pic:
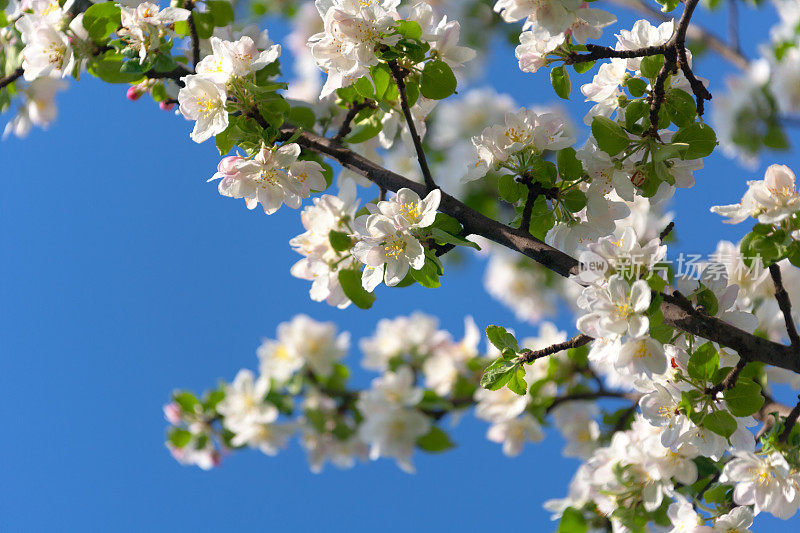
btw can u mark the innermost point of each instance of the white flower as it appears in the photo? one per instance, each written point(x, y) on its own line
point(322, 447)
point(448, 360)
point(39, 106)
point(514, 433)
point(238, 58)
point(204, 101)
point(770, 200)
point(346, 48)
point(47, 52)
point(392, 390)
point(786, 81)
point(683, 517)
point(303, 341)
point(643, 34)
point(321, 263)
point(394, 433)
point(244, 402)
point(554, 15)
point(520, 285)
point(643, 355)
point(417, 335)
point(762, 482)
point(623, 255)
point(387, 251)
point(604, 89)
point(574, 421)
point(534, 47)
point(143, 25)
point(615, 310)
point(408, 211)
point(737, 521)
point(659, 408)
point(499, 405)
point(273, 177)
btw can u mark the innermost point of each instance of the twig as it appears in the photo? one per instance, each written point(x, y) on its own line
point(730, 380)
point(527, 356)
point(693, 32)
point(783, 302)
point(791, 420)
point(193, 33)
point(11, 78)
point(346, 127)
point(399, 74)
point(594, 395)
point(665, 232)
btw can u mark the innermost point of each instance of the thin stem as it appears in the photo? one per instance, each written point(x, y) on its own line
point(11, 78)
point(193, 33)
point(399, 74)
point(528, 356)
point(791, 420)
point(347, 125)
point(785, 305)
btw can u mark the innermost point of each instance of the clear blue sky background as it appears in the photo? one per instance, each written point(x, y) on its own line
point(124, 275)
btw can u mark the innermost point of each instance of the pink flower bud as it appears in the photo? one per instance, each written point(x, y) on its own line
point(173, 413)
point(134, 92)
point(166, 106)
point(227, 166)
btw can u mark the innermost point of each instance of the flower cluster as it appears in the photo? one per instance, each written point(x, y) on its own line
point(386, 242)
point(273, 177)
point(525, 132)
point(143, 27)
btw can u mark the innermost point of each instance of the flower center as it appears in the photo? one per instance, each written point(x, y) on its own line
point(394, 247)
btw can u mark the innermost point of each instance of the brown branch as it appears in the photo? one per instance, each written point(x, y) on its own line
point(729, 381)
point(791, 420)
point(11, 78)
point(399, 74)
point(193, 33)
point(528, 356)
point(665, 232)
point(785, 305)
point(693, 32)
point(675, 315)
point(346, 127)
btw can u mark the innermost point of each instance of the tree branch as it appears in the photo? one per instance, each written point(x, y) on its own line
point(791, 420)
point(193, 33)
point(346, 127)
point(528, 356)
point(786, 306)
point(693, 32)
point(11, 78)
point(677, 316)
point(399, 74)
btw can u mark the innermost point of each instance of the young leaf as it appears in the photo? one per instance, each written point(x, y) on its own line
point(745, 398)
point(438, 80)
point(721, 423)
point(559, 78)
point(435, 441)
point(610, 136)
point(350, 280)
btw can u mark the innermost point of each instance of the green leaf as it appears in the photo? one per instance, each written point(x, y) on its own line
point(186, 400)
point(428, 275)
point(651, 66)
point(794, 253)
point(438, 80)
point(409, 29)
point(708, 300)
point(717, 493)
point(703, 362)
point(350, 280)
point(517, 382)
point(501, 339)
point(572, 521)
point(559, 79)
point(179, 437)
point(754, 245)
point(700, 137)
point(610, 136)
point(101, 20)
point(745, 398)
point(109, 69)
point(302, 116)
point(442, 237)
point(381, 78)
point(681, 107)
point(508, 189)
point(569, 167)
point(204, 22)
point(583, 66)
point(221, 12)
point(340, 241)
point(365, 130)
point(435, 441)
point(636, 86)
point(574, 200)
point(364, 87)
point(447, 224)
point(498, 374)
point(721, 423)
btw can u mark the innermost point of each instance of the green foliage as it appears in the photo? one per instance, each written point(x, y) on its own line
point(435, 441)
point(610, 136)
point(101, 20)
point(745, 398)
point(703, 362)
point(340, 241)
point(350, 280)
point(438, 80)
point(721, 423)
point(559, 78)
point(700, 137)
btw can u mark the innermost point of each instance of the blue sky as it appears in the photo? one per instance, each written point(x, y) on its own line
point(125, 275)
